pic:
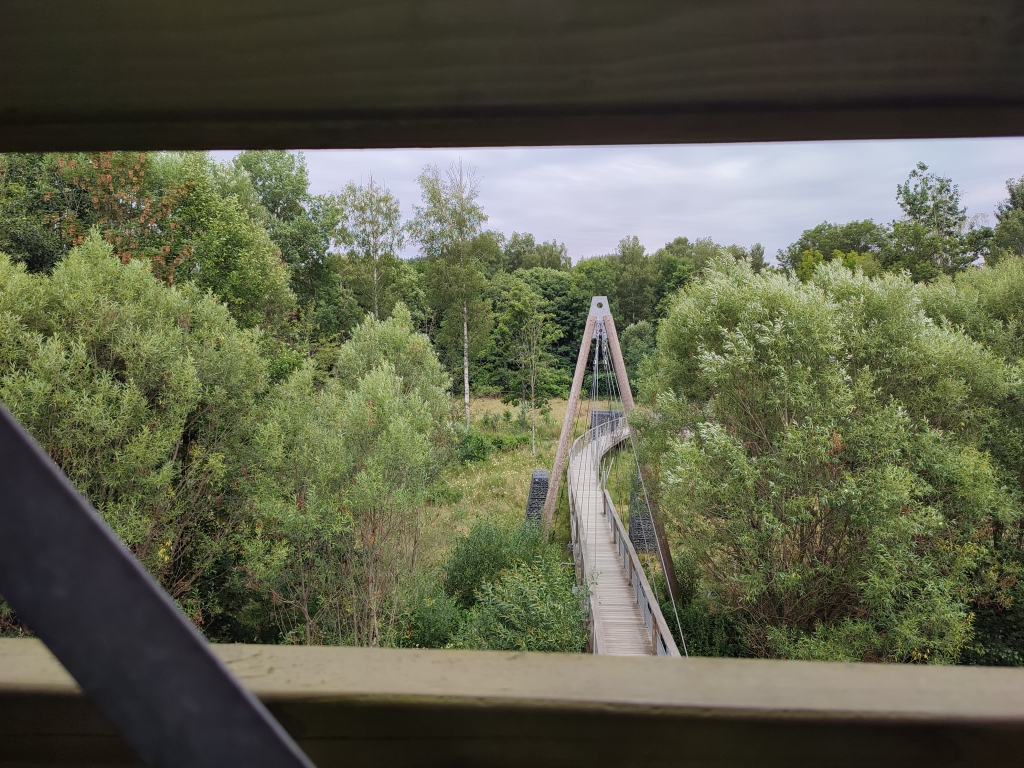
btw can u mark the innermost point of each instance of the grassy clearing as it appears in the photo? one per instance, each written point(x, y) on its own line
point(497, 487)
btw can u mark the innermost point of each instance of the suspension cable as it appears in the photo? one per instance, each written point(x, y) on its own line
point(613, 381)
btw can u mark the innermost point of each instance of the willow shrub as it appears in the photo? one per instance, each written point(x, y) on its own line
point(828, 483)
point(339, 485)
point(141, 394)
point(532, 606)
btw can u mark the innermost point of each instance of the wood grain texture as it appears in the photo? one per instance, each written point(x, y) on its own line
point(355, 707)
point(375, 73)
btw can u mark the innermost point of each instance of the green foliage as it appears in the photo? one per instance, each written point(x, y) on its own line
point(832, 498)
point(141, 393)
point(635, 294)
point(501, 588)
point(567, 303)
point(395, 344)
point(522, 340)
point(483, 554)
point(273, 187)
point(49, 203)
point(810, 260)
point(235, 259)
point(638, 341)
point(444, 226)
point(935, 235)
point(522, 252)
point(863, 237)
point(473, 446)
point(1008, 238)
point(533, 606)
point(340, 485)
point(372, 234)
point(430, 619)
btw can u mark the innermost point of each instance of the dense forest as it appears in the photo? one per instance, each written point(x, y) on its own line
point(277, 413)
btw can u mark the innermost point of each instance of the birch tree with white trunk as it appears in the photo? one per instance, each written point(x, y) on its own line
point(444, 227)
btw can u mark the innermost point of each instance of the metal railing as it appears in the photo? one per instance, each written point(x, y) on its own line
point(661, 638)
point(614, 432)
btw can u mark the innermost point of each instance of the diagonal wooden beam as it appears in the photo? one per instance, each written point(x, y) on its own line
point(562, 451)
point(625, 391)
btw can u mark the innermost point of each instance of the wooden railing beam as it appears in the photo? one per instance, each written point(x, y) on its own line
point(388, 707)
point(202, 74)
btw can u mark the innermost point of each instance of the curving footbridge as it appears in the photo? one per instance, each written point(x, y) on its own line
point(625, 617)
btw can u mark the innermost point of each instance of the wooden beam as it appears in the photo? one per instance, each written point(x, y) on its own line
point(199, 74)
point(625, 391)
point(381, 707)
point(565, 437)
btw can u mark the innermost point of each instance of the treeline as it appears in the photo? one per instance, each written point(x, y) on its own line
point(934, 237)
point(504, 312)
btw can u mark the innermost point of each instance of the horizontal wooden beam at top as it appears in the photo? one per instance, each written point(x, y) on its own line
point(197, 74)
point(353, 706)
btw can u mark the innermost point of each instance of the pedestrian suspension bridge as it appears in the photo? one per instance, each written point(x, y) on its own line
point(620, 567)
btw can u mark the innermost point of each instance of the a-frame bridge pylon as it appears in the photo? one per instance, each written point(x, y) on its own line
point(600, 317)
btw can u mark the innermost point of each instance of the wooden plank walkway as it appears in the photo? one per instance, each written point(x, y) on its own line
point(618, 623)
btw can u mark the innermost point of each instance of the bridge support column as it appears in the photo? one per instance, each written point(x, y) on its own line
point(562, 451)
point(625, 392)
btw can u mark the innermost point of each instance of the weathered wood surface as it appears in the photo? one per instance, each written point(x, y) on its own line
point(356, 707)
point(619, 628)
point(377, 73)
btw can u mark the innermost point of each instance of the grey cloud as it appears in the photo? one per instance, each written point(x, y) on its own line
point(590, 197)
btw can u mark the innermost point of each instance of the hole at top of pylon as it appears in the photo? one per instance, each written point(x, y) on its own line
point(599, 305)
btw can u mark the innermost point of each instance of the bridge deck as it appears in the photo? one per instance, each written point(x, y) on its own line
point(618, 623)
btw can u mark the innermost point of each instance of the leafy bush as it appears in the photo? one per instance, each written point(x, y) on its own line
point(480, 556)
point(503, 443)
point(431, 618)
point(141, 393)
point(473, 446)
point(338, 483)
point(832, 490)
point(531, 607)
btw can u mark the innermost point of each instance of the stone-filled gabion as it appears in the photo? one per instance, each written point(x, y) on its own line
point(641, 527)
point(597, 418)
point(538, 492)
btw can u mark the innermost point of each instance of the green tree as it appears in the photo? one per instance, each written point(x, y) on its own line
point(49, 203)
point(488, 252)
point(394, 343)
point(635, 285)
point(141, 393)
point(828, 488)
point(340, 487)
point(856, 236)
point(372, 235)
point(523, 334)
point(1008, 239)
point(444, 226)
point(935, 235)
point(638, 341)
point(523, 252)
point(597, 276)
point(568, 303)
point(303, 227)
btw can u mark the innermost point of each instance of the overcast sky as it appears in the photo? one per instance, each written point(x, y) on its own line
point(590, 197)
